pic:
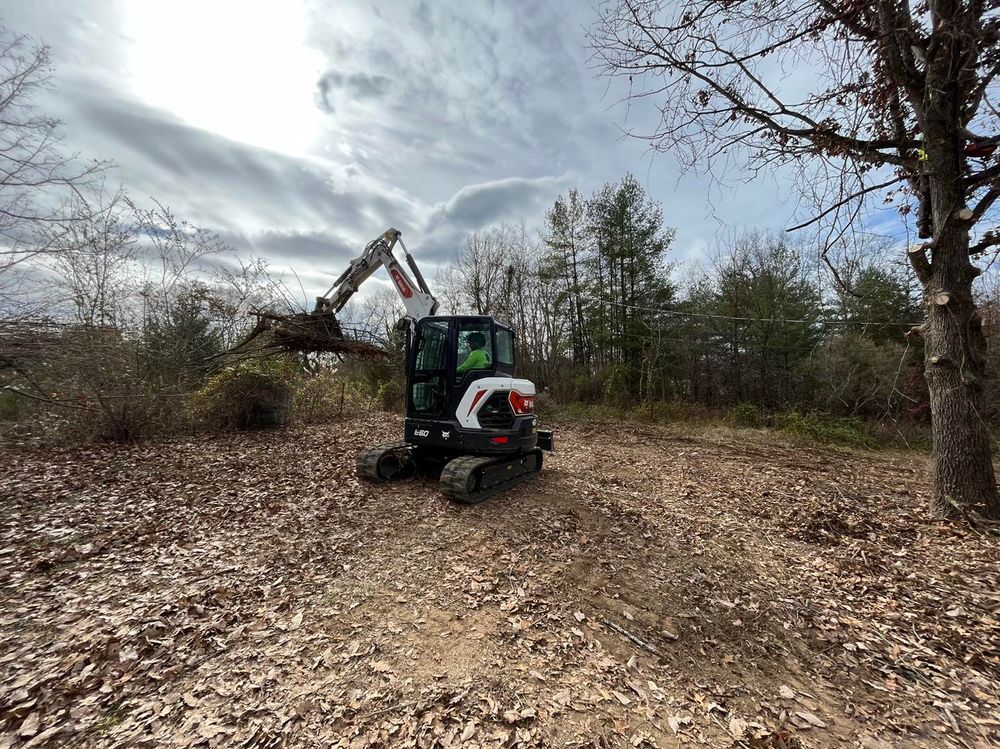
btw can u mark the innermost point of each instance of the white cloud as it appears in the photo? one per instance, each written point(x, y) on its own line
point(235, 68)
point(305, 129)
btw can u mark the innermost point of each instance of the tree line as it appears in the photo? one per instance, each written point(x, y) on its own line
point(897, 111)
point(605, 315)
point(606, 311)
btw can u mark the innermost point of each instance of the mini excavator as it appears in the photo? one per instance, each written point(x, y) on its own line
point(468, 418)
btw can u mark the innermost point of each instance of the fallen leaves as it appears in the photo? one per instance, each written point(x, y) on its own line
point(250, 591)
point(30, 726)
point(678, 722)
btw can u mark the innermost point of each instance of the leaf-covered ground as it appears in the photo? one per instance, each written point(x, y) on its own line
point(652, 588)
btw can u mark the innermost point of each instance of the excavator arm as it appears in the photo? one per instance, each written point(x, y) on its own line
point(417, 298)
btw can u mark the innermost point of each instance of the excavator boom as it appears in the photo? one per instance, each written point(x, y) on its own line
point(319, 331)
point(416, 297)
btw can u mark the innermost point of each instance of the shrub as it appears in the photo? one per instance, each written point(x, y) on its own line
point(326, 396)
point(253, 394)
point(746, 415)
point(843, 430)
point(91, 388)
point(381, 382)
point(855, 376)
point(544, 403)
point(586, 412)
point(616, 390)
point(670, 411)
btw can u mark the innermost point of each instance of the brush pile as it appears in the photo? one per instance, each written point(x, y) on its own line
point(305, 332)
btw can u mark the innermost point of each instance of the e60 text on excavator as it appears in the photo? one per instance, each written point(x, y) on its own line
point(468, 418)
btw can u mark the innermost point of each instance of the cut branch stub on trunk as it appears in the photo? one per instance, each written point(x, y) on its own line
point(921, 265)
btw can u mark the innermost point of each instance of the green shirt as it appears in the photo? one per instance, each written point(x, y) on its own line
point(478, 359)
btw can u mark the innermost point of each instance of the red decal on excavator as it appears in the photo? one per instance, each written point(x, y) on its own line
point(404, 288)
point(475, 400)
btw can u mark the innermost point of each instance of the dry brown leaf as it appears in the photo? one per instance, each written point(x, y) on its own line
point(678, 722)
point(738, 728)
point(30, 726)
point(811, 718)
point(468, 732)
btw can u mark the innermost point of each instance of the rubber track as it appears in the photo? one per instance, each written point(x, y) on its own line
point(455, 476)
point(367, 461)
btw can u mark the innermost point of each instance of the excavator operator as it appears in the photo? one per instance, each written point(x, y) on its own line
point(478, 357)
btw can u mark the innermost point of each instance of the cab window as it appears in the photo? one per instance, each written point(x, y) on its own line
point(432, 342)
point(475, 348)
point(505, 346)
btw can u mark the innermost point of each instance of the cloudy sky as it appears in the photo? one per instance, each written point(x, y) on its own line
point(300, 129)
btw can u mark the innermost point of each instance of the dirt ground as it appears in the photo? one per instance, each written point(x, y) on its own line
point(656, 587)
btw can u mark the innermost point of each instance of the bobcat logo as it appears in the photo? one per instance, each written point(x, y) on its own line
point(445, 435)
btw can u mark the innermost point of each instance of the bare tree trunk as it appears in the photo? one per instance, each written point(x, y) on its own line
point(954, 365)
point(955, 351)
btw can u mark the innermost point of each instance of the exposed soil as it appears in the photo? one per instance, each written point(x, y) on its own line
point(651, 588)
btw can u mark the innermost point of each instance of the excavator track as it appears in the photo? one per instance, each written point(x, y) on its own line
point(472, 479)
point(390, 462)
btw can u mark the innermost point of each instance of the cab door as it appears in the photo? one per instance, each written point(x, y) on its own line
point(429, 389)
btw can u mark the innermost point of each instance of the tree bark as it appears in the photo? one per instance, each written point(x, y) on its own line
point(955, 350)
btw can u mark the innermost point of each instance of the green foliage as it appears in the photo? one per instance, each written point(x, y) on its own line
point(627, 278)
point(180, 339)
point(820, 427)
point(883, 298)
point(381, 383)
point(562, 267)
point(604, 323)
point(616, 385)
point(760, 281)
point(253, 394)
point(746, 415)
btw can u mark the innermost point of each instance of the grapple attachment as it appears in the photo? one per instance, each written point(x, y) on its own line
point(305, 332)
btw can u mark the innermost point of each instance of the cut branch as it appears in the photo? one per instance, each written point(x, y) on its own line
point(921, 265)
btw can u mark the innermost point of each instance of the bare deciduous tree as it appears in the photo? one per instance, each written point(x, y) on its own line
point(866, 99)
point(36, 176)
point(93, 254)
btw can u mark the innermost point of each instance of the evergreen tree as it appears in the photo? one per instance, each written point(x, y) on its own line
point(627, 277)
